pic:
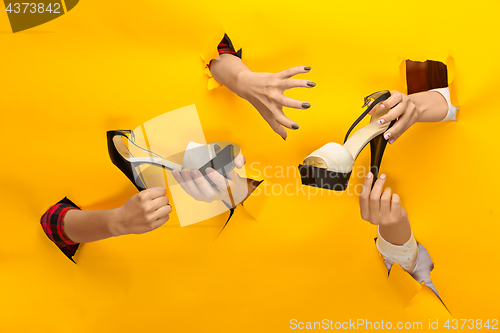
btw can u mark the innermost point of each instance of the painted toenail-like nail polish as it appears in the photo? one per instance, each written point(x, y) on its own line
point(391, 141)
point(306, 105)
point(307, 68)
point(387, 136)
point(383, 176)
point(295, 126)
point(311, 84)
point(380, 121)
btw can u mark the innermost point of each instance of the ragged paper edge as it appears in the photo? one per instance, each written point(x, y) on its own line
point(210, 52)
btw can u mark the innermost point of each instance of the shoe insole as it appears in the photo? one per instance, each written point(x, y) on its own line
point(356, 142)
point(155, 161)
point(361, 137)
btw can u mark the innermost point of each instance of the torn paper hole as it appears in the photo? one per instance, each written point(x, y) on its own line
point(425, 76)
point(432, 75)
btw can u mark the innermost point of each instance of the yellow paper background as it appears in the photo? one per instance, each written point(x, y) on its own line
point(115, 65)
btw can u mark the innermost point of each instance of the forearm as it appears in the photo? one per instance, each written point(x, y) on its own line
point(431, 104)
point(89, 226)
point(396, 234)
point(225, 70)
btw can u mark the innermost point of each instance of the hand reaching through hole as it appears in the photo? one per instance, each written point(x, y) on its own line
point(143, 212)
point(263, 90)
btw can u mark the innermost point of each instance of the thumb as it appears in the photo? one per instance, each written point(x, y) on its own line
point(240, 161)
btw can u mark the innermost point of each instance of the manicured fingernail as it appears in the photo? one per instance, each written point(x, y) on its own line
point(209, 170)
point(383, 176)
point(185, 173)
point(381, 121)
point(307, 68)
point(295, 126)
point(382, 106)
point(387, 136)
point(311, 84)
point(369, 175)
point(194, 173)
point(391, 141)
point(306, 105)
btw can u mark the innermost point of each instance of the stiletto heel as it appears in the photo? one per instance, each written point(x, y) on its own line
point(330, 166)
point(221, 160)
point(377, 148)
point(119, 154)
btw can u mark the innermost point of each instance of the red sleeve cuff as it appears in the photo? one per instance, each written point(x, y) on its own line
point(226, 47)
point(53, 225)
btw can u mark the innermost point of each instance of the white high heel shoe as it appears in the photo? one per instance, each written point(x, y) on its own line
point(330, 166)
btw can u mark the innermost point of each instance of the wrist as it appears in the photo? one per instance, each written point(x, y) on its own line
point(420, 108)
point(398, 232)
point(113, 222)
point(241, 80)
point(226, 69)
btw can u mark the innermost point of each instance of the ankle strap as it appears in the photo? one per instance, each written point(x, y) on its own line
point(379, 96)
point(130, 139)
point(122, 133)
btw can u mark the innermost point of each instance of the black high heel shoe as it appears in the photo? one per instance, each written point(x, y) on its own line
point(330, 166)
point(222, 160)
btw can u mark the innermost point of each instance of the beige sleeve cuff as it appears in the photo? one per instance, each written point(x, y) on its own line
point(452, 110)
point(405, 255)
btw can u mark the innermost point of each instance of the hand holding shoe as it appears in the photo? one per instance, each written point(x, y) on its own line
point(232, 190)
point(380, 207)
point(400, 106)
point(145, 211)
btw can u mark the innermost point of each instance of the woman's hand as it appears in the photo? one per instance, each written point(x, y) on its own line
point(400, 106)
point(263, 90)
point(232, 190)
point(428, 106)
point(383, 208)
point(380, 208)
point(144, 212)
